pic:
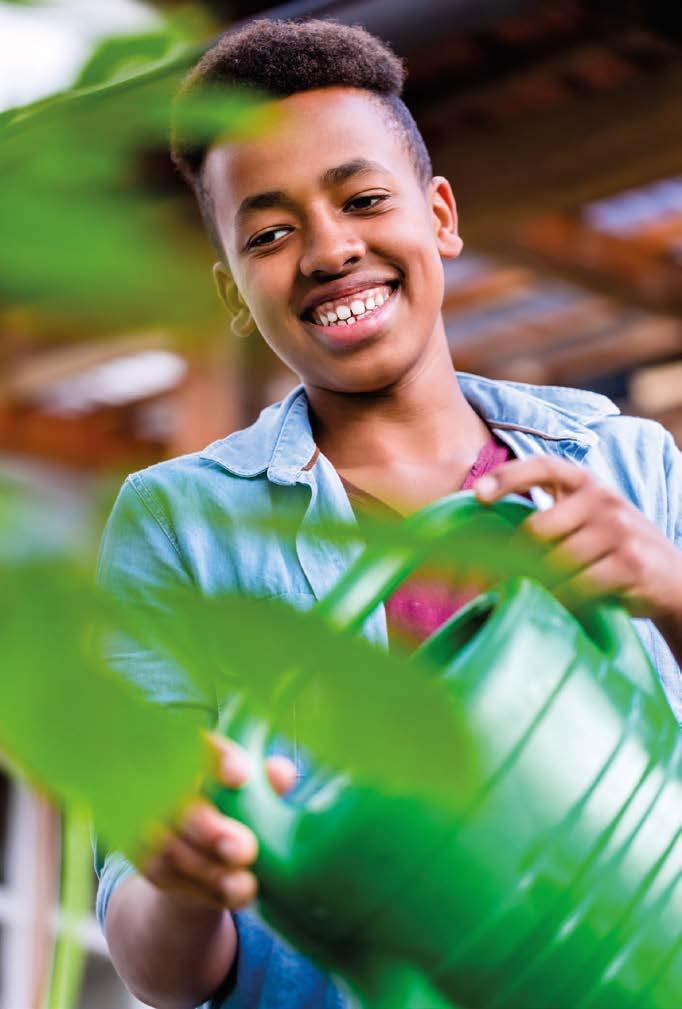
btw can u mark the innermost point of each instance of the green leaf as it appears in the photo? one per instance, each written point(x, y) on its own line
point(76, 729)
point(86, 238)
point(382, 717)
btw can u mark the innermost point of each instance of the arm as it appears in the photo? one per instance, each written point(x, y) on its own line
point(170, 932)
point(169, 928)
point(170, 954)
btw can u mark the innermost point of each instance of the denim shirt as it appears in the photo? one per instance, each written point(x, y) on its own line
point(160, 533)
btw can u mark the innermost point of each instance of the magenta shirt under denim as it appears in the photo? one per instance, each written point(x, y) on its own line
point(423, 602)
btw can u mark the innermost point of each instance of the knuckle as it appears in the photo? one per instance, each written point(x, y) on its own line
point(632, 555)
point(558, 470)
point(608, 499)
point(214, 879)
point(179, 855)
point(621, 524)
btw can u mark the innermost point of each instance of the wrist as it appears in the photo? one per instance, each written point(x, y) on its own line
point(669, 623)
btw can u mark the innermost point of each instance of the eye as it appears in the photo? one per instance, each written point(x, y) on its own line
point(267, 237)
point(366, 202)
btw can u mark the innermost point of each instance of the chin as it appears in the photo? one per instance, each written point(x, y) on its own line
point(371, 378)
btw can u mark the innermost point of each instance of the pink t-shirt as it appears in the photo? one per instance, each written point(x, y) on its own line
point(423, 602)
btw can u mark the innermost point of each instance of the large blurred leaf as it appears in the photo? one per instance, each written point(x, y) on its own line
point(83, 234)
point(77, 730)
point(88, 737)
point(383, 717)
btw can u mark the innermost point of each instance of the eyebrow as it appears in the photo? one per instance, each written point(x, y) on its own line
point(274, 198)
point(341, 173)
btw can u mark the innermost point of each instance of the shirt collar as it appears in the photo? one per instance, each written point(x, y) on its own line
point(550, 412)
point(281, 443)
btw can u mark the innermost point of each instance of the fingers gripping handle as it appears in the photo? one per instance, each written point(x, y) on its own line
point(377, 572)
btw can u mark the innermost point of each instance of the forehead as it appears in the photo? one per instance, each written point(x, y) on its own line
point(317, 131)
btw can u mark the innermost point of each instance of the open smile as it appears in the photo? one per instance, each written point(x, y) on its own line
point(348, 320)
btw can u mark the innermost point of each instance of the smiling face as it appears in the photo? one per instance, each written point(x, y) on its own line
point(333, 243)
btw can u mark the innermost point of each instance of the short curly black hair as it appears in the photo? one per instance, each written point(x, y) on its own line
point(285, 58)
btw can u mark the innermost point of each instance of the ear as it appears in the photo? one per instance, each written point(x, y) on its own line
point(241, 320)
point(444, 210)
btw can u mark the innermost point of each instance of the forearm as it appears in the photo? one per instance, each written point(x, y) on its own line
point(170, 953)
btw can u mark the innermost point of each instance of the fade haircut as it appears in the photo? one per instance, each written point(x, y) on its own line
point(284, 58)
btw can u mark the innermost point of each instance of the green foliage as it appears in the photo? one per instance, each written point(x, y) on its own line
point(353, 706)
point(85, 235)
point(83, 734)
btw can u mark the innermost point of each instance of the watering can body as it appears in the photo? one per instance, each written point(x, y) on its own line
point(557, 881)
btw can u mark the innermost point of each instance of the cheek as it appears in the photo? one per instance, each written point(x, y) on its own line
point(264, 291)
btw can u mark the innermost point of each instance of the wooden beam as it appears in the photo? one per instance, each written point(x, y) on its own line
point(560, 159)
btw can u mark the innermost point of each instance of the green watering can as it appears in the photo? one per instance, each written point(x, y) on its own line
point(558, 883)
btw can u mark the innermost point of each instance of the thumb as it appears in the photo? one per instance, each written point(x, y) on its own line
point(281, 772)
point(231, 764)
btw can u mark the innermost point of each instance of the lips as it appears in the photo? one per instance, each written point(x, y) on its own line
point(342, 300)
point(341, 333)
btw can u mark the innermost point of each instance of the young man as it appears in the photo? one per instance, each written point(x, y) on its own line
point(331, 232)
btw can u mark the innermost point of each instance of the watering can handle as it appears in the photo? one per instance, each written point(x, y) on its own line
point(376, 573)
point(364, 586)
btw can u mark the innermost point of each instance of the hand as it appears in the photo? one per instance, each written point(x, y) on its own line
point(206, 858)
point(600, 543)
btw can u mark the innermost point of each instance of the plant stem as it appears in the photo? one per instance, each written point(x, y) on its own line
point(76, 894)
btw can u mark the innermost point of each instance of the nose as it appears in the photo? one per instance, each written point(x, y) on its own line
point(331, 244)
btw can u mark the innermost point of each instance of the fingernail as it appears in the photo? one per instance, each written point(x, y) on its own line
point(485, 487)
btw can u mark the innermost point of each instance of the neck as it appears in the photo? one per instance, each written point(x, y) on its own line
point(422, 418)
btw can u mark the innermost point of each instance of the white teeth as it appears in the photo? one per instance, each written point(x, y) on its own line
point(351, 321)
point(343, 314)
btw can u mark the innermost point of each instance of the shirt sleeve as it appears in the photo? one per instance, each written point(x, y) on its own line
point(671, 524)
point(672, 458)
point(138, 559)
